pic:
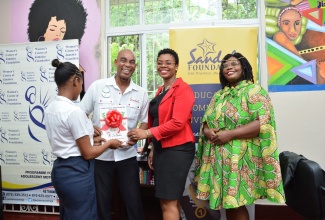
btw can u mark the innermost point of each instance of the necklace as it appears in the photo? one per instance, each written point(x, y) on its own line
point(165, 88)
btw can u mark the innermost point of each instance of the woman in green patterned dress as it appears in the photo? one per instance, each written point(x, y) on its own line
point(237, 161)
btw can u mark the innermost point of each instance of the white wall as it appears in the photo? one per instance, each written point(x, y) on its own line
point(300, 116)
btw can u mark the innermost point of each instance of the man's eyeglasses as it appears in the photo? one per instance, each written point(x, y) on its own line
point(232, 63)
point(167, 63)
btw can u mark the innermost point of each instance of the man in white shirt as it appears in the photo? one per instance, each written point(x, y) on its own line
point(118, 90)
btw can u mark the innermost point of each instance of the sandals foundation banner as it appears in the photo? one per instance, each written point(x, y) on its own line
point(295, 39)
point(200, 52)
point(27, 87)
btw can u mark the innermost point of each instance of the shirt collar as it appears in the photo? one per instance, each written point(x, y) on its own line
point(65, 99)
point(111, 82)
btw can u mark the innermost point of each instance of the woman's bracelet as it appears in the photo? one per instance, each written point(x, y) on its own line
point(147, 133)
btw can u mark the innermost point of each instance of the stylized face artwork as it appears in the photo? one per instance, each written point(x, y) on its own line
point(55, 30)
point(290, 24)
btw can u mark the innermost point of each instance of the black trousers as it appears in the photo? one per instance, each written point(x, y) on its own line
point(127, 172)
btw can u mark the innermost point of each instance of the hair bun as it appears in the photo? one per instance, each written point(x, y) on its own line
point(56, 63)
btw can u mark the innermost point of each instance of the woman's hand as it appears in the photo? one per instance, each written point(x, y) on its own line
point(150, 159)
point(137, 134)
point(222, 137)
point(209, 133)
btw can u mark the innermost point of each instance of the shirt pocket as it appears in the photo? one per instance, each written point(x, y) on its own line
point(133, 110)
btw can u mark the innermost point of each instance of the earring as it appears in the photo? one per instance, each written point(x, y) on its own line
point(41, 38)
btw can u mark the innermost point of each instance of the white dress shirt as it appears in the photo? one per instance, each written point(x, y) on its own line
point(65, 123)
point(106, 92)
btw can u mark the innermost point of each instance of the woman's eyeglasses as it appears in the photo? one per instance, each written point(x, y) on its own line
point(167, 63)
point(232, 63)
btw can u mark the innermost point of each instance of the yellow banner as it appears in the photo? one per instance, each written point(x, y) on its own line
point(201, 50)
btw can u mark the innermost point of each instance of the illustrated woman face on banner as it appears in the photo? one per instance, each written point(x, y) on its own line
point(55, 30)
point(50, 20)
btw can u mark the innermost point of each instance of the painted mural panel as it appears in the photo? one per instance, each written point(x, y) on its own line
point(295, 39)
point(53, 20)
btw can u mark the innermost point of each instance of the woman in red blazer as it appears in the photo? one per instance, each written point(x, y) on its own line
point(171, 135)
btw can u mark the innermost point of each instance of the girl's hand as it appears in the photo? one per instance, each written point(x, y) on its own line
point(114, 144)
point(98, 140)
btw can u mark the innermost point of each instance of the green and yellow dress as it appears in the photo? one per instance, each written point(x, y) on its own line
point(240, 171)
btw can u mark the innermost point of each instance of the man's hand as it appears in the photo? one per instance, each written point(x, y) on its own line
point(97, 131)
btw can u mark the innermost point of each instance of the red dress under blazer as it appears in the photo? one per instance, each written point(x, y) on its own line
point(175, 115)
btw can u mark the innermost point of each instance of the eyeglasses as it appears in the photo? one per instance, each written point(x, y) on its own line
point(231, 63)
point(167, 63)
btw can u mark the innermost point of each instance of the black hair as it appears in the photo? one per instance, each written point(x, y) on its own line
point(64, 71)
point(171, 52)
point(246, 68)
point(71, 11)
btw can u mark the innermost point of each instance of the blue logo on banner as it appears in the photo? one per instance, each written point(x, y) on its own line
point(1, 159)
point(60, 56)
point(43, 74)
point(16, 118)
point(30, 57)
point(25, 158)
point(45, 160)
point(3, 135)
point(23, 76)
point(2, 60)
point(2, 97)
point(30, 96)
